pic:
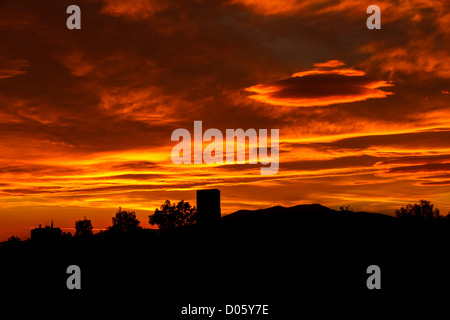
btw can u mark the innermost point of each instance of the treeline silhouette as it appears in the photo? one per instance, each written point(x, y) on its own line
point(285, 256)
point(171, 216)
point(124, 223)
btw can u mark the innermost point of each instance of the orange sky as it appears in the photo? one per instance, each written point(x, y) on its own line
point(86, 116)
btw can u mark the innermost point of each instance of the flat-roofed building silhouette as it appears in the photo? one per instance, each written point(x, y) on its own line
point(208, 207)
point(46, 234)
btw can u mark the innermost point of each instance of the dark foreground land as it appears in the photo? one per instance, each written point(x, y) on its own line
point(299, 259)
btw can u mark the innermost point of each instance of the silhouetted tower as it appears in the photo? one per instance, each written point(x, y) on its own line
point(208, 207)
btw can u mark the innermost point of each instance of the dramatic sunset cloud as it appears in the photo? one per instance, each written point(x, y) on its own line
point(270, 7)
point(133, 9)
point(322, 86)
point(86, 116)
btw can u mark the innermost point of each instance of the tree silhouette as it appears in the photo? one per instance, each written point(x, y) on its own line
point(346, 208)
point(83, 228)
point(423, 211)
point(170, 215)
point(12, 241)
point(124, 221)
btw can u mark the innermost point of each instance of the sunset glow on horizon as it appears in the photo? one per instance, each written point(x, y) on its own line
point(86, 116)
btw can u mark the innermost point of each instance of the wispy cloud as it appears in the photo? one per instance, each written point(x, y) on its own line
point(12, 67)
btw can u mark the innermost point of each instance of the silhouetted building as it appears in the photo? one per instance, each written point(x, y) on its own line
point(208, 207)
point(46, 234)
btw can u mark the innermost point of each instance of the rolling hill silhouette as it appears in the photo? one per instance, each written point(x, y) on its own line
point(309, 213)
point(314, 221)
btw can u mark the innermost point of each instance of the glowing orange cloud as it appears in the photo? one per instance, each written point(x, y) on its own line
point(328, 83)
point(267, 7)
point(76, 64)
point(330, 64)
point(10, 68)
point(135, 9)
